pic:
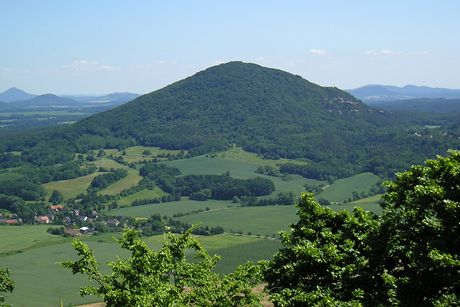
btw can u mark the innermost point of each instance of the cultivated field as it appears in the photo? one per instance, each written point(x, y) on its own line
point(169, 208)
point(70, 187)
point(342, 189)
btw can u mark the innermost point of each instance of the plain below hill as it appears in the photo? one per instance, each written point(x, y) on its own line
point(422, 105)
point(375, 92)
point(46, 100)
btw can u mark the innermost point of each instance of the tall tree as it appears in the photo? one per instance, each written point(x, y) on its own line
point(166, 277)
point(409, 256)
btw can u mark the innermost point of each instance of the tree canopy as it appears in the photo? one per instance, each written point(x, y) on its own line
point(168, 277)
point(409, 256)
point(6, 284)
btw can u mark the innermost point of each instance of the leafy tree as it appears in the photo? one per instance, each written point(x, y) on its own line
point(409, 256)
point(56, 197)
point(323, 257)
point(6, 284)
point(166, 277)
point(421, 231)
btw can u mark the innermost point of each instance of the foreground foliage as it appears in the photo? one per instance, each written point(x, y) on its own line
point(165, 277)
point(6, 284)
point(409, 256)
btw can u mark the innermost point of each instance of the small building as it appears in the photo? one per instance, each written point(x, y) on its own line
point(56, 207)
point(85, 230)
point(9, 221)
point(42, 219)
point(112, 222)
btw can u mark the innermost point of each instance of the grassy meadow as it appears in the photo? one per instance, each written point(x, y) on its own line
point(342, 189)
point(169, 208)
point(70, 187)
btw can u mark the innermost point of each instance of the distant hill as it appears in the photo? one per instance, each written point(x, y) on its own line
point(14, 94)
point(423, 105)
point(371, 93)
point(46, 100)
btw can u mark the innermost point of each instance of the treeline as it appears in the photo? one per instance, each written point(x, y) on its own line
point(157, 224)
point(156, 200)
point(100, 182)
point(202, 187)
point(282, 198)
point(25, 211)
point(223, 186)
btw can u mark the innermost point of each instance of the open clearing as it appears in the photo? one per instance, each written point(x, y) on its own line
point(342, 189)
point(144, 194)
point(70, 187)
point(203, 165)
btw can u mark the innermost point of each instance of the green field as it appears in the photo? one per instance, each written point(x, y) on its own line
point(144, 194)
point(17, 239)
point(372, 200)
point(239, 169)
point(169, 208)
point(131, 180)
point(238, 154)
point(265, 220)
point(70, 187)
point(342, 189)
point(41, 281)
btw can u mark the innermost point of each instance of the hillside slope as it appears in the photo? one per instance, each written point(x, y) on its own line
point(261, 109)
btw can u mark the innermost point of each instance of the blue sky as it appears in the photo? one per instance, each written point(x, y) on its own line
point(95, 47)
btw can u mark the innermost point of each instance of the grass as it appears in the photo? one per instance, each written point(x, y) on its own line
point(144, 194)
point(238, 154)
point(257, 220)
point(70, 187)
point(17, 239)
point(41, 281)
point(169, 208)
point(342, 189)
point(131, 180)
point(239, 169)
point(372, 200)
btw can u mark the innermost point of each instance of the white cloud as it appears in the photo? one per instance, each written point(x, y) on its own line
point(85, 65)
point(318, 51)
point(384, 52)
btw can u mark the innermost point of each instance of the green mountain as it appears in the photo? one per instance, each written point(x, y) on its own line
point(261, 109)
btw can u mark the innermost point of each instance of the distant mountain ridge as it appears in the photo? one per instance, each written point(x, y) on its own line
point(370, 93)
point(14, 94)
point(17, 98)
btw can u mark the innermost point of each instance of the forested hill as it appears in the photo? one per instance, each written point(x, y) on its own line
point(262, 109)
